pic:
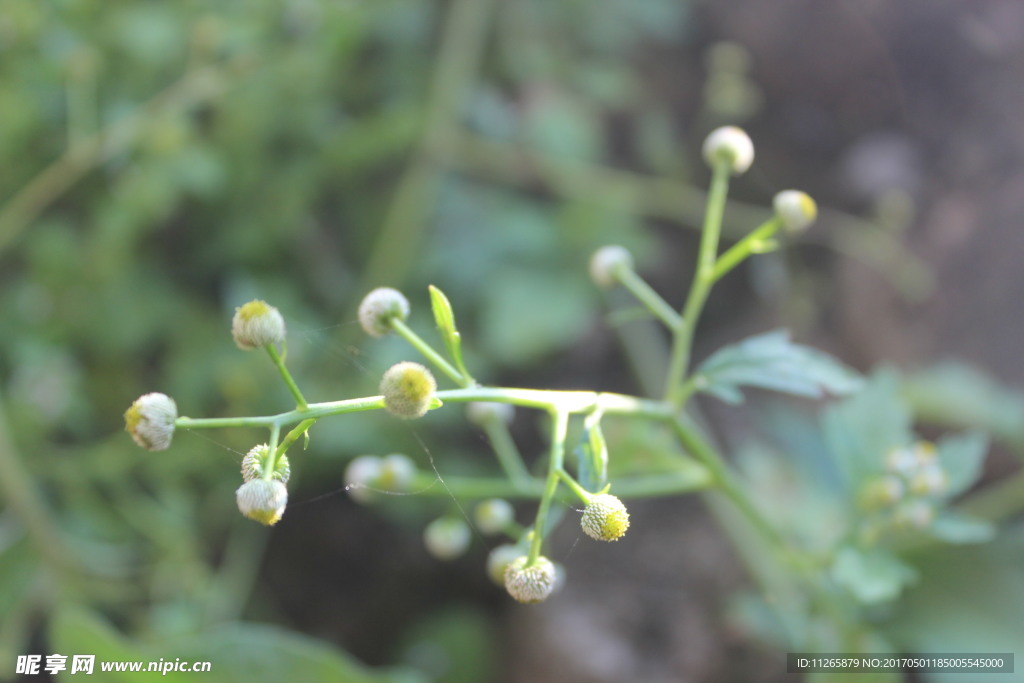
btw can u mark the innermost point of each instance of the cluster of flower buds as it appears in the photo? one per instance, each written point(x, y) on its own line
point(369, 475)
point(905, 495)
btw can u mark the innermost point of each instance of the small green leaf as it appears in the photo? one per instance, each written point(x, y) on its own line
point(445, 319)
point(592, 455)
point(772, 361)
point(962, 457)
point(956, 528)
point(872, 576)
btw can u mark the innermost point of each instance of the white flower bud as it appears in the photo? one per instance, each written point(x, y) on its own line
point(605, 518)
point(255, 461)
point(730, 145)
point(482, 413)
point(379, 308)
point(446, 538)
point(795, 210)
point(929, 480)
point(499, 559)
point(150, 421)
point(533, 583)
point(262, 500)
point(257, 324)
point(408, 389)
point(492, 516)
point(881, 492)
point(361, 477)
point(396, 473)
point(605, 264)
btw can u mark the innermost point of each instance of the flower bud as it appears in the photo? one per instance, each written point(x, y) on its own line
point(396, 473)
point(795, 210)
point(606, 262)
point(150, 421)
point(257, 324)
point(901, 461)
point(407, 388)
point(446, 538)
point(929, 480)
point(481, 413)
point(730, 145)
point(361, 477)
point(262, 500)
point(914, 514)
point(530, 583)
point(492, 516)
point(882, 492)
point(255, 461)
point(379, 308)
point(605, 518)
point(499, 559)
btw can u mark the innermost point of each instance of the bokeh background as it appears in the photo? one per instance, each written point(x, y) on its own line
point(163, 163)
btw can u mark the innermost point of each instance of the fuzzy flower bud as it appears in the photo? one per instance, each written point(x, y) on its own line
point(446, 538)
point(605, 518)
point(255, 462)
point(396, 473)
point(499, 559)
point(262, 500)
point(731, 145)
point(795, 210)
point(882, 492)
point(257, 324)
point(408, 388)
point(606, 261)
point(493, 515)
point(361, 477)
point(379, 308)
point(533, 583)
point(150, 421)
point(481, 413)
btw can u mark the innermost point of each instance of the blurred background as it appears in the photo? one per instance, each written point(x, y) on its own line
point(163, 163)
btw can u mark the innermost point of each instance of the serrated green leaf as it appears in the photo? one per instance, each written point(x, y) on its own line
point(772, 361)
point(592, 455)
point(445, 319)
point(956, 528)
point(862, 429)
point(962, 457)
point(871, 576)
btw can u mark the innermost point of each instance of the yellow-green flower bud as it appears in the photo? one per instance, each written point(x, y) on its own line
point(606, 263)
point(255, 462)
point(446, 538)
point(257, 324)
point(150, 421)
point(795, 210)
point(408, 389)
point(361, 477)
point(493, 516)
point(882, 492)
point(396, 473)
point(262, 500)
point(530, 583)
point(730, 145)
point(499, 559)
point(605, 518)
point(379, 308)
point(929, 480)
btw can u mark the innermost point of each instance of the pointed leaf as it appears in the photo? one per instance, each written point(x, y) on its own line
point(962, 457)
point(956, 528)
point(872, 576)
point(592, 455)
point(445, 319)
point(772, 361)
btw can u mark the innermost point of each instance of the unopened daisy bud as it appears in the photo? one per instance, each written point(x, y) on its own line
point(407, 388)
point(262, 500)
point(150, 421)
point(396, 473)
point(499, 559)
point(361, 477)
point(925, 453)
point(882, 492)
point(492, 516)
point(379, 308)
point(914, 514)
point(482, 413)
point(901, 461)
point(605, 518)
point(446, 538)
point(255, 461)
point(929, 480)
point(257, 324)
point(795, 210)
point(606, 263)
point(533, 583)
point(730, 145)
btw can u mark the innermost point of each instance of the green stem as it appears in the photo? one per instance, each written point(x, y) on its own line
point(268, 470)
point(509, 457)
point(702, 280)
point(560, 426)
point(428, 352)
point(643, 292)
point(286, 376)
point(757, 242)
point(574, 485)
point(293, 436)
